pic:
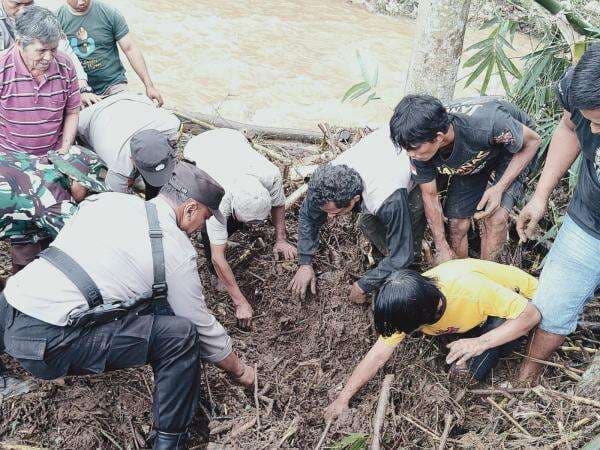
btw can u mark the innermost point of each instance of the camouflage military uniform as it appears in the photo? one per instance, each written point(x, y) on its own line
point(35, 202)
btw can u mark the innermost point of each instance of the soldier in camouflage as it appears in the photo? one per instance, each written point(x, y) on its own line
point(36, 198)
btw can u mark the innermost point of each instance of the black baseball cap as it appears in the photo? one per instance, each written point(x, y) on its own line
point(196, 184)
point(153, 156)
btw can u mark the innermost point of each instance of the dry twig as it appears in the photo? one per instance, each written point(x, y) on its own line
point(384, 397)
point(324, 435)
point(491, 401)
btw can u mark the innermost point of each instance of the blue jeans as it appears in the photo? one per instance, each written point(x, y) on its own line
point(569, 278)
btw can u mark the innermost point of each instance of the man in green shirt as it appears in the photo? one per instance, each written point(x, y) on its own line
point(94, 29)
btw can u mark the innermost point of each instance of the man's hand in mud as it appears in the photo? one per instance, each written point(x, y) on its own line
point(464, 349)
point(244, 313)
point(247, 376)
point(357, 295)
point(336, 409)
point(529, 217)
point(286, 249)
point(305, 276)
point(89, 99)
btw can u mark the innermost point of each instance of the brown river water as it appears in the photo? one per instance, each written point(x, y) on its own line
point(274, 62)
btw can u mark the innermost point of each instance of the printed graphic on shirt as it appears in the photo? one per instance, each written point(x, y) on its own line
point(83, 45)
point(471, 167)
point(448, 330)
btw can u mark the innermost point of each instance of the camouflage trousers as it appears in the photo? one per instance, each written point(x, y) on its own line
point(376, 232)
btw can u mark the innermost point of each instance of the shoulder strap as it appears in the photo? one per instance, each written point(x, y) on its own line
point(159, 287)
point(74, 272)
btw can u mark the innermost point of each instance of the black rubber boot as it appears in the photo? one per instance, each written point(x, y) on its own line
point(169, 441)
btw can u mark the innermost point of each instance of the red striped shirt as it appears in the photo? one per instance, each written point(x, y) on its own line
point(32, 113)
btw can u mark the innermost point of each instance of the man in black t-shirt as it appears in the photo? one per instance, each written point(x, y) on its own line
point(484, 147)
point(571, 271)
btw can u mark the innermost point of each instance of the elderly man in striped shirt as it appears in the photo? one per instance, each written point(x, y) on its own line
point(39, 93)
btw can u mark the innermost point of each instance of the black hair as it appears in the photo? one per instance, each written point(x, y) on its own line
point(405, 302)
point(417, 119)
point(585, 86)
point(335, 183)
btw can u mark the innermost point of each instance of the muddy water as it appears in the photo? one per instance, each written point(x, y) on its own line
point(272, 62)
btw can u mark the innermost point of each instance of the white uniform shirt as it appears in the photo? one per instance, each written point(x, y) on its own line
point(108, 126)
point(109, 238)
point(226, 155)
point(383, 168)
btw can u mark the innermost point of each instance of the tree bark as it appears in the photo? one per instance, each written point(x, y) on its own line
point(438, 47)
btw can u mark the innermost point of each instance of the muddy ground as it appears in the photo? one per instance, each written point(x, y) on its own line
point(304, 351)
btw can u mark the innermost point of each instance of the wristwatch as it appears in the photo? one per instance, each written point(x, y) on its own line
point(86, 90)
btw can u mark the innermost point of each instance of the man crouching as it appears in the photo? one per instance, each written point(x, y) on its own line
point(455, 297)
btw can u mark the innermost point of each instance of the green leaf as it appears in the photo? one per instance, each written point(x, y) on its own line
point(481, 44)
point(489, 23)
point(363, 68)
point(477, 57)
point(360, 92)
point(508, 64)
point(375, 79)
point(354, 441)
point(486, 79)
point(373, 96)
point(485, 63)
point(503, 79)
point(354, 89)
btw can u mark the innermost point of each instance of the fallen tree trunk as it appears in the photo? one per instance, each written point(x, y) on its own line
point(251, 131)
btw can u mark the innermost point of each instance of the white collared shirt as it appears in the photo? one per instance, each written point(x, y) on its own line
point(226, 156)
point(109, 239)
point(383, 168)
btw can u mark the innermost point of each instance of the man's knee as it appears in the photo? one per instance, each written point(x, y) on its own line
point(458, 228)
point(497, 222)
point(179, 331)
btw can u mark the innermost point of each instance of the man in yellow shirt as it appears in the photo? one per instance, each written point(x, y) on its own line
point(454, 297)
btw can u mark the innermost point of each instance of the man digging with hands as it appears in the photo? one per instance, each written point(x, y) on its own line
point(486, 298)
point(373, 179)
point(571, 272)
point(485, 150)
point(86, 305)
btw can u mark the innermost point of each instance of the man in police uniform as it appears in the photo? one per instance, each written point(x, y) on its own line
point(79, 309)
point(37, 198)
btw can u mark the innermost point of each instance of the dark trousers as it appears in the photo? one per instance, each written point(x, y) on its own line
point(480, 366)
point(376, 233)
point(233, 225)
point(169, 344)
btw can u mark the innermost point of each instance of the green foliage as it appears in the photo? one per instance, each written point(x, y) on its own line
point(368, 85)
point(533, 88)
point(491, 54)
point(354, 441)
